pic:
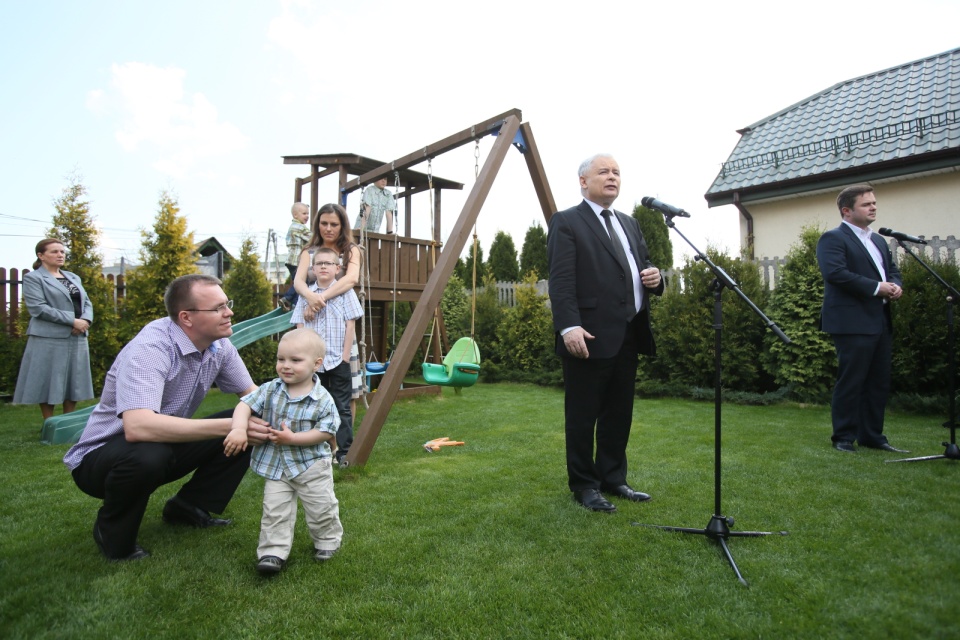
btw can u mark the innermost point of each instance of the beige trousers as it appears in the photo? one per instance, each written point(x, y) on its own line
point(314, 488)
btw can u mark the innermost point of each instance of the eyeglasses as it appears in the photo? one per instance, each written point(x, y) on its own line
point(324, 264)
point(220, 309)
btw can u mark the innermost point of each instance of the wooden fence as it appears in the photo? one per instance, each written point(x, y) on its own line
point(936, 249)
point(10, 281)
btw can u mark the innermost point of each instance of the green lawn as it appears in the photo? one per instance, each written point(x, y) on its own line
point(483, 541)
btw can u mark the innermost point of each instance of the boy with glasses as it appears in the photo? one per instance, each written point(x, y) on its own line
point(336, 324)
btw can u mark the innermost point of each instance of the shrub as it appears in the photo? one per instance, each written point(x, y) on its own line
point(525, 342)
point(808, 364)
point(920, 351)
point(683, 328)
point(249, 289)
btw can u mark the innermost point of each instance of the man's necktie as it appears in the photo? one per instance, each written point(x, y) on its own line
point(624, 263)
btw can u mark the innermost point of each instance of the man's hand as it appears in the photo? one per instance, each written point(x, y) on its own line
point(650, 278)
point(575, 342)
point(890, 291)
point(257, 430)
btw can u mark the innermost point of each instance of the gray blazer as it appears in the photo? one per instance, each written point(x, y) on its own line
point(50, 305)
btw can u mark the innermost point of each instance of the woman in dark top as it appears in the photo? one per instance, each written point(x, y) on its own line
point(56, 363)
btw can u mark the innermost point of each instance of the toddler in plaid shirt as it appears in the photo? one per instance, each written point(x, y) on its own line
point(297, 460)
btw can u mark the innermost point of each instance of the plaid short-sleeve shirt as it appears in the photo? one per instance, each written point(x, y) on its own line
point(315, 410)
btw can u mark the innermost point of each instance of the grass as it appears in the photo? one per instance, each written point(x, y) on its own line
point(483, 541)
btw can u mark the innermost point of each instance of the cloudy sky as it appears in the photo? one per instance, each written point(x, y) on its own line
point(203, 98)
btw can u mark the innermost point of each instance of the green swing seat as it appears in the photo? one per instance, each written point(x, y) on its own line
point(460, 368)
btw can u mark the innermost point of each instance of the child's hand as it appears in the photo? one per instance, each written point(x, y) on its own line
point(281, 435)
point(235, 442)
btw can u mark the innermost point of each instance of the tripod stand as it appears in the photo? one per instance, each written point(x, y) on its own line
point(951, 451)
point(718, 529)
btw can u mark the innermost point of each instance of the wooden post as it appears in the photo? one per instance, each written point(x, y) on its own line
point(532, 157)
point(387, 392)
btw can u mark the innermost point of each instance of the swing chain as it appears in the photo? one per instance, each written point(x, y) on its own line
point(476, 160)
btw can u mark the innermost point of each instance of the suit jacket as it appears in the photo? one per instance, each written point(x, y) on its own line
point(850, 278)
point(50, 306)
point(589, 287)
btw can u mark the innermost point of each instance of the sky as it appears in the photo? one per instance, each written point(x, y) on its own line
point(203, 98)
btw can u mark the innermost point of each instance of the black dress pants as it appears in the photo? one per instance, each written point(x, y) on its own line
point(125, 474)
point(339, 383)
point(598, 402)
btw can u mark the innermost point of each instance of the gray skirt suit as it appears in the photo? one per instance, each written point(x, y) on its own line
point(56, 364)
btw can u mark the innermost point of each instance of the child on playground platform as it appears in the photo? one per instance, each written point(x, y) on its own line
point(336, 324)
point(298, 236)
point(296, 461)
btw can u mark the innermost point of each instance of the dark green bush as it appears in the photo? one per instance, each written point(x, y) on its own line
point(525, 341)
point(807, 366)
point(683, 327)
point(920, 352)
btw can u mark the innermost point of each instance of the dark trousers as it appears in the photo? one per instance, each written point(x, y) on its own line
point(862, 388)
point(125, 474)
point(598, 401)
point(291, 294)
point(340, 385)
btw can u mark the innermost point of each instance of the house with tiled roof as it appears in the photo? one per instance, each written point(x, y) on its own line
point(897, 129)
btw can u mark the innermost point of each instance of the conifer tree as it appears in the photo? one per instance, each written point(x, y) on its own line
point(487, 318)
point(502, 263)
point(525, 341)
point(533, 256)
point(74, 225)
point(656, 235)
point(808, 364)
point(468, 266)
point(455, 307)
point(248, 287)
point(166, 252)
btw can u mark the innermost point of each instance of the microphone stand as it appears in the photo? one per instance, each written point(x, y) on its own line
point(951, 451)
point(718, 529)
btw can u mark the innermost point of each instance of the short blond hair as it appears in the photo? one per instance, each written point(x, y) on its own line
point(298, 207)
point(309, 339)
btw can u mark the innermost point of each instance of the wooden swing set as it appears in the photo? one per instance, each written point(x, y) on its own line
point(416, 276)
point(510, 132)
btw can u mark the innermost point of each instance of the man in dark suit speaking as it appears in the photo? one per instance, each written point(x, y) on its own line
point(600, 281)
point(860, 280)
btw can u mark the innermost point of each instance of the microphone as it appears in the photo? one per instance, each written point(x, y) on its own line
point(666, 209)
point(890, 233)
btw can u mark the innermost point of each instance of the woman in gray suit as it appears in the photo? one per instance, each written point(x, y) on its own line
point(56, 363)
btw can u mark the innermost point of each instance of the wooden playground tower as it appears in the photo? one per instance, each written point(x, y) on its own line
point(423, 266)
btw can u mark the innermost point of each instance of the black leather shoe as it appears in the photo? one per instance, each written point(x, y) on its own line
point(886, 446)
point(843, 445)
point(176, 511)
point(591, 499)
point(626, 491)
point(139, 553)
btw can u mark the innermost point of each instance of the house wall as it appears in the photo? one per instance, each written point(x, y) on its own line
point(923, 206)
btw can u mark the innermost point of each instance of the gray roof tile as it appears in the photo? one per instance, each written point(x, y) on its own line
point(900, 115)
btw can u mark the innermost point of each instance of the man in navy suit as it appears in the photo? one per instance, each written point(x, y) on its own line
point(601, 278)
point(860, 281)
